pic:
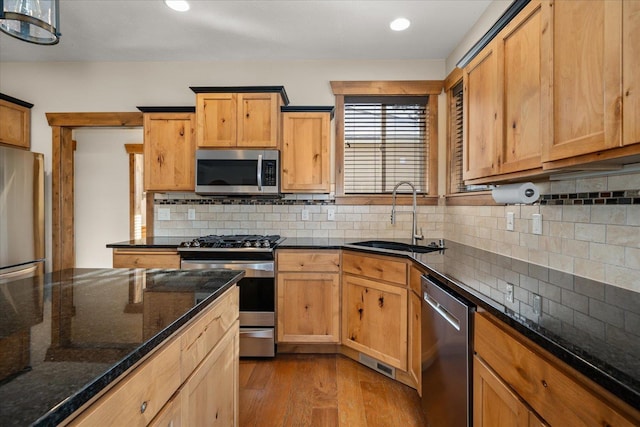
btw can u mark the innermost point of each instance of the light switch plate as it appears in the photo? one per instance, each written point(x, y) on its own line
point(331, 214)
point(510, 221)
point(164, 214)
point(191, 214)
point(509, 295)
point(536, 224)
point(537, 304)
point(305, 215)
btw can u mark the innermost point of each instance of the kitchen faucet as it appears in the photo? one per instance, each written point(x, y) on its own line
point(414, 235)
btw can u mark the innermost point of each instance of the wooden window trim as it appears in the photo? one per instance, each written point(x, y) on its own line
point(394, 88)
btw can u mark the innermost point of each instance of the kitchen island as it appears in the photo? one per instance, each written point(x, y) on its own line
point(68, 337)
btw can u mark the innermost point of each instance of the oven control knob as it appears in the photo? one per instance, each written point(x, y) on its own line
point(257, 244)
point(247, 244)
point(195, 243)
point(265, 244)
point(185, 244)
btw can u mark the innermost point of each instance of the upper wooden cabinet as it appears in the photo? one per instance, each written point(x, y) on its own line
point(15, 122)
point(306, 142)
point(246, 117)
point(596, 74)
point(169, 151)
point(506, 100)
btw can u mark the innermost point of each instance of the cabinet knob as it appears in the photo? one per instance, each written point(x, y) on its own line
point(544, 384)
point(143, 407)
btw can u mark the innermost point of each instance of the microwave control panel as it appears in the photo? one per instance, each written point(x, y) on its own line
point(269, 173)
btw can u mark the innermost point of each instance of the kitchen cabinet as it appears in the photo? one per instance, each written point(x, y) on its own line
point(242, 117)
point(414, 361)
point(15, 122)
point(495, 404)
point(169, 151)
point(191, 380)
point(374, 307)
point(146, 258)
point(514, 372)
point(306, 142)
point(506, 100)
point(308, 295)
point(595, 79)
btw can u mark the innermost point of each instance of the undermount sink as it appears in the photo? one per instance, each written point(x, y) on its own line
point(396, 246)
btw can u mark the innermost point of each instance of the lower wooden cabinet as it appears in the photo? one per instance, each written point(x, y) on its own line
point(308, 294)
point(149, 258)
point(495, 404)
point(513, 376)
point(375, 311)
point(193, 380)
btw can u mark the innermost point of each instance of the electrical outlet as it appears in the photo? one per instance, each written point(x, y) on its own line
point(537, 304)
point(164, 214)
point(536, 224)
point(509, 296)
point(331, 214)
point(510, 221)
point(191, 214)
point(305, 215)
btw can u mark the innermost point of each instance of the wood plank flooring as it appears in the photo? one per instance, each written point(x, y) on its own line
point(322, 390)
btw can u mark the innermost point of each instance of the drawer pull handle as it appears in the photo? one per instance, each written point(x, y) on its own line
point(143, 407)
point(544, 384)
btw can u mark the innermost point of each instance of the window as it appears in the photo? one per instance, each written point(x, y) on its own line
point(384, 143)
point(386, 133)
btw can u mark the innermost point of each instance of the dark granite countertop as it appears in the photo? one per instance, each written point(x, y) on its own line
point(67, 335)
point(592, 326)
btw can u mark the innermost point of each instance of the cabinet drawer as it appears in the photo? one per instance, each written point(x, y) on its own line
point(204, 334)
point(375, 267)
point(321, 260)
point(136, 399)
point(551, 389)
point(145, 259)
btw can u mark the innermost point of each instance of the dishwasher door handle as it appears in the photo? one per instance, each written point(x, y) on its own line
point(453, 321)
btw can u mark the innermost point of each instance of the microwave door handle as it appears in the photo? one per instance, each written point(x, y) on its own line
point(259, 172)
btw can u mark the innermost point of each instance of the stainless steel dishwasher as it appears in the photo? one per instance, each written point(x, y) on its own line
point(446, 356)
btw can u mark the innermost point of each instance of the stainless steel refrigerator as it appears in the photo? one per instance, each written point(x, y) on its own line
point(22, 251)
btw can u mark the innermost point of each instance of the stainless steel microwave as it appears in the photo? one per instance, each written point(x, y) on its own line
point(238, 172)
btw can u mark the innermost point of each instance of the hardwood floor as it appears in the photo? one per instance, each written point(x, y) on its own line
point(322, 390)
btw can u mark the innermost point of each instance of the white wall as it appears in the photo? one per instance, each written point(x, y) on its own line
point(102, 192)
point(103, 87)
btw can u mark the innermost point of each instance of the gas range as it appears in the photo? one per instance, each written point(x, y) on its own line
point(232, 243)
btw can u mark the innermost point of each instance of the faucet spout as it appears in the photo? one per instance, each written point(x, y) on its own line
point(414, 234)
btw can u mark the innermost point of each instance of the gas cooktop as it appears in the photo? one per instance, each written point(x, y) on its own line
point(237, 242)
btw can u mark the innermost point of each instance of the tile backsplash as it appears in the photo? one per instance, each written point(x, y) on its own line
point(596, 240)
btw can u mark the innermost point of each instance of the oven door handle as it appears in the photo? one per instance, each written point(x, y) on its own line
point(256, 333)
point(252, 269)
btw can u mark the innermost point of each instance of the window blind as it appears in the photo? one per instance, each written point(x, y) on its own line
point(385, 142)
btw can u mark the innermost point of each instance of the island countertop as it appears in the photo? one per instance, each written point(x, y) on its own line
point(68, 335)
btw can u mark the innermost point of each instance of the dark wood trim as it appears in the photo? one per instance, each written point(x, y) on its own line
point(134, 148)
point(432, 164)
point(339, 146)
point(454, 77)
point(243, 89)
point(502, 22)
point(95, 120)
point(178, 109)
point(308, 109)
point(16, 101)
point(398, 87)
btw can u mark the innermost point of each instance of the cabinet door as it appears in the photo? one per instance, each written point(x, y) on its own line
point(374, 319)
point(15, 124)
point(258, 120)
point(631, 71)
point(305, 152)
point(523, 52)
point(586, 77)
point(216, 120)
point(309, 307)
point(482, 114)
point(210, 396)
point(494, 404)
point(415, 336)
point(169, 152)
point(123, 258)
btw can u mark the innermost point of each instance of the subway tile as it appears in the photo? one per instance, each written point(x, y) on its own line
point(607, 254)
point(589, 325)
point(576, 214)
point(589, 288)
point(609, 215)
point(607, 313)
point(623, 235)
point(589, 268)
point(590, 232)
point(575, 301)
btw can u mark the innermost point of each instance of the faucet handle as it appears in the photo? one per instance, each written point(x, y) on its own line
point(419, 236)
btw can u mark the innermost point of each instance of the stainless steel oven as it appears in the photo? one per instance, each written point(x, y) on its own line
point(254, 255)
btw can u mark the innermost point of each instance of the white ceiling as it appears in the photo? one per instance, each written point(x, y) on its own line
point(146, 30)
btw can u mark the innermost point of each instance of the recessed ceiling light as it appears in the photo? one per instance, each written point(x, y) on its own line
point(399, 24)
point(177, 5)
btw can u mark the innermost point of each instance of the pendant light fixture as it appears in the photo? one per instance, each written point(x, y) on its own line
point(34, 21)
